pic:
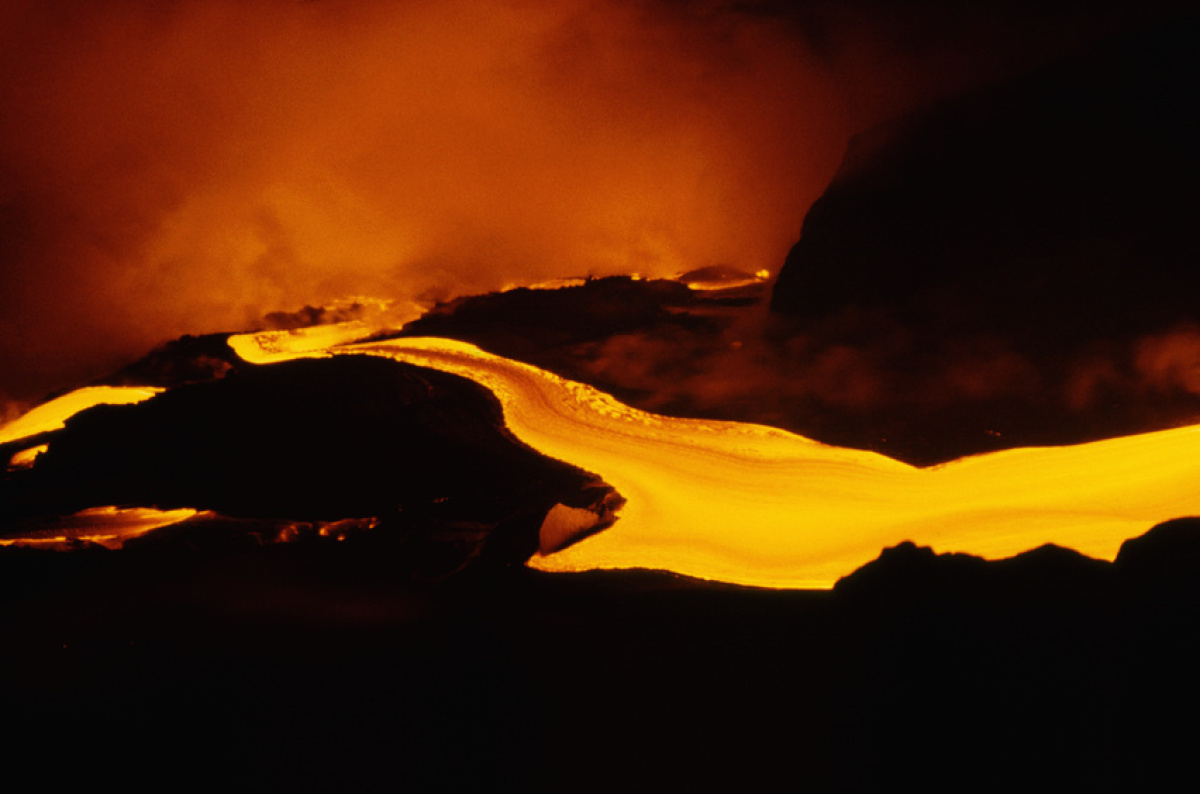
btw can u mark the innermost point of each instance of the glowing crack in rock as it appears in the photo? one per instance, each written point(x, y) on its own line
point(756, 505)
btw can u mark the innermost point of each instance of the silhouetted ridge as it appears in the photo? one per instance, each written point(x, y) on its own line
point(523, 323)
point(1055, 187)
point(1163, 560)
point(564, 330)
point(1006, 264)
point(908, 570)
point(1166, 557)
point(1063, 666)
point(188, 359)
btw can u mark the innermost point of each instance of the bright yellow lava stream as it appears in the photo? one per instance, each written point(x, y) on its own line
point(745, 503)
point(50, 416)
point(760, 506)
point(108, 526)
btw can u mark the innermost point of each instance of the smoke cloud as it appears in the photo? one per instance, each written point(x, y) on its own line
point(1171, 361)
point(188, 167)
point(761, 369)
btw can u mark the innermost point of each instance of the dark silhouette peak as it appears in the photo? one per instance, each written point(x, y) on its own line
point(998, 262)
point(188, 359)
point(908, 571)
point(1168, 554)
point(1052, 557)
point(911, 570)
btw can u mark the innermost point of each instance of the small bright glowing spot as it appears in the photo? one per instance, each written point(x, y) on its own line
point(25, 458)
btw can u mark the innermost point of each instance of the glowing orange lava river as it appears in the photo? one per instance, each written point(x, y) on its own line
point(750, 504)
point(759, 506)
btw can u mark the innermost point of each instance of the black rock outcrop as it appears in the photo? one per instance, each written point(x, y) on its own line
point(1065, 200)
point(188, 359)
point(524, 323)
point(424, 453)
point(1164, 560)
point(1006, 252)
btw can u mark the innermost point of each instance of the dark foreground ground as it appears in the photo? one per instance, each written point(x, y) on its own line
point(316, 667)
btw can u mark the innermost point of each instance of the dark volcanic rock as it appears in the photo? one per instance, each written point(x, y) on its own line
point(910, 571)
point(1046, 658)
point(564, 330)
point(188, 359)
point(423, 452)
point(909, 574)
point(1061, 198)
point(524, 322)
point(324, 669)
point(1053, 572)
point(1166, 557)
point(1007, 255)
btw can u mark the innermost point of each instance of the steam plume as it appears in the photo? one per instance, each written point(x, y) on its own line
point(189, 166)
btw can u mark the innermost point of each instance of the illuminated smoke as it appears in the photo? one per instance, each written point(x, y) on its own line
point(1171, 360)
point(749, 364)
point(188, 167)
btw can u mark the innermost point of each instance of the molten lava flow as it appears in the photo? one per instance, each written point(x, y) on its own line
point(269, 347)
point(108, 526)
point(759, 506)
point(51, 416)
point(25, 458)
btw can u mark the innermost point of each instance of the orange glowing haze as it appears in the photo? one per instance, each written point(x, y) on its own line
point(186, 167)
